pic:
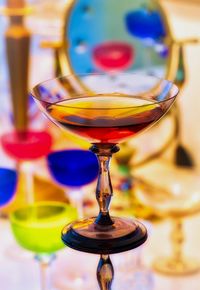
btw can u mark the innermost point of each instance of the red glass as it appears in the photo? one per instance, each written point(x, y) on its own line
point(113, 56)
point(28, 145)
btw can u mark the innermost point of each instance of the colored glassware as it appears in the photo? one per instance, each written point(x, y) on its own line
point(73, 168)
point(113, 56)
point(28, 145)
point(37, 228)
point(145, 24)
point(25, 147)
point(8, 184)
point(148, 26)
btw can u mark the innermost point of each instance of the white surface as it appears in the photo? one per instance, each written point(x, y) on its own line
point(20, 272)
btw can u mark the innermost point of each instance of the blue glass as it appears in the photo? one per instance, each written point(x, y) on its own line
point(144, 23)
point(8, 184)
point(73, 167)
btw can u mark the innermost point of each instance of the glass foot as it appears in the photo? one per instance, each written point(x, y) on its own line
point(170, 266)
point(86, 236)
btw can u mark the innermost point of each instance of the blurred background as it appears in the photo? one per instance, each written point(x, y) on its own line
point(156, 175)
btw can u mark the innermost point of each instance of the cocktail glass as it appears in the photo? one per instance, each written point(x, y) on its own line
point(8, 184)
point(93, 108)
point(73, 169)
point(37, 228)
point(25, 147)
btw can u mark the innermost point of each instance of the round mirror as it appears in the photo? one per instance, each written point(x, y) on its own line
point(103, 36)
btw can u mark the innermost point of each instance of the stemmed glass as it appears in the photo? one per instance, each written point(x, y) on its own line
point(37, 228)
point(73, 169)
point(94, 107)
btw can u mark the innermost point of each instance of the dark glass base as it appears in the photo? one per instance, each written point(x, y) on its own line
point(86, 236)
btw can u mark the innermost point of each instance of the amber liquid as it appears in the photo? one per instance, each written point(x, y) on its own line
point(105, 118)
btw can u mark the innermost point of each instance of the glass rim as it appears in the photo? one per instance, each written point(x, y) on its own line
point(114, 94)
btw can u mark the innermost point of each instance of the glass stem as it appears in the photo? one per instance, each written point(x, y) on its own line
point(177, 237)
point(104, 189)
point(76, 198)
point(27, 169)
point(105, 272)
point(45, 277)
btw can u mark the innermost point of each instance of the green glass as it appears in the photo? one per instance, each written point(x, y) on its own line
point(37, 228)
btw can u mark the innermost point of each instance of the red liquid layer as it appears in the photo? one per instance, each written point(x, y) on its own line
point(26, 145)
point(112, 135)
point(113, 56)
point(105, 119)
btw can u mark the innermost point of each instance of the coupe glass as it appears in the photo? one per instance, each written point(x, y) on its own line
point(105, 113)
point(37, 228)
point(65, 166)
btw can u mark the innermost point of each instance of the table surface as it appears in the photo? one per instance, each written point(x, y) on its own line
point(75, 270)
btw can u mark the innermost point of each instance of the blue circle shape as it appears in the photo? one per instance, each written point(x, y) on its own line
point(73, 167)
point(8, 184)
point(144, 23)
